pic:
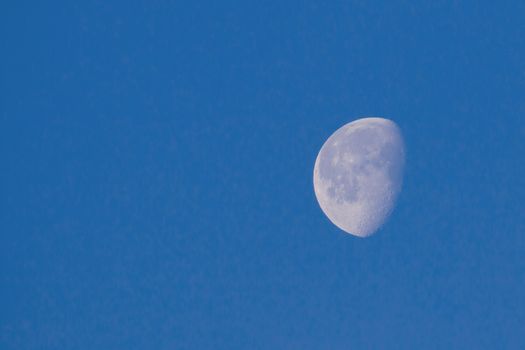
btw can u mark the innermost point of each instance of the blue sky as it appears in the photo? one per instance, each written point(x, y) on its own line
point(157, 175)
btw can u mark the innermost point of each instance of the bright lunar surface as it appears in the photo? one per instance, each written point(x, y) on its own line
point(358, 174)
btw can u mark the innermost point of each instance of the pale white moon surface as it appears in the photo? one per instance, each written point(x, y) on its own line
point(358, 174)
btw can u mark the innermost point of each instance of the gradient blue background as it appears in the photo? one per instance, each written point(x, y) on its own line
point(157, 162)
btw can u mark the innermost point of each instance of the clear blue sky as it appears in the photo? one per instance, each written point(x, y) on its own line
point(156, 182)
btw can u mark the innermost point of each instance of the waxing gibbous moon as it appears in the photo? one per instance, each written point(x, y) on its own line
point(358, 174)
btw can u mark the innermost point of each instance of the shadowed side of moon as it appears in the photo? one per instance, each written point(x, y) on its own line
point(358, 174)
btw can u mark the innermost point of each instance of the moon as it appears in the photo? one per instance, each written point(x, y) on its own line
point(358, 174)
